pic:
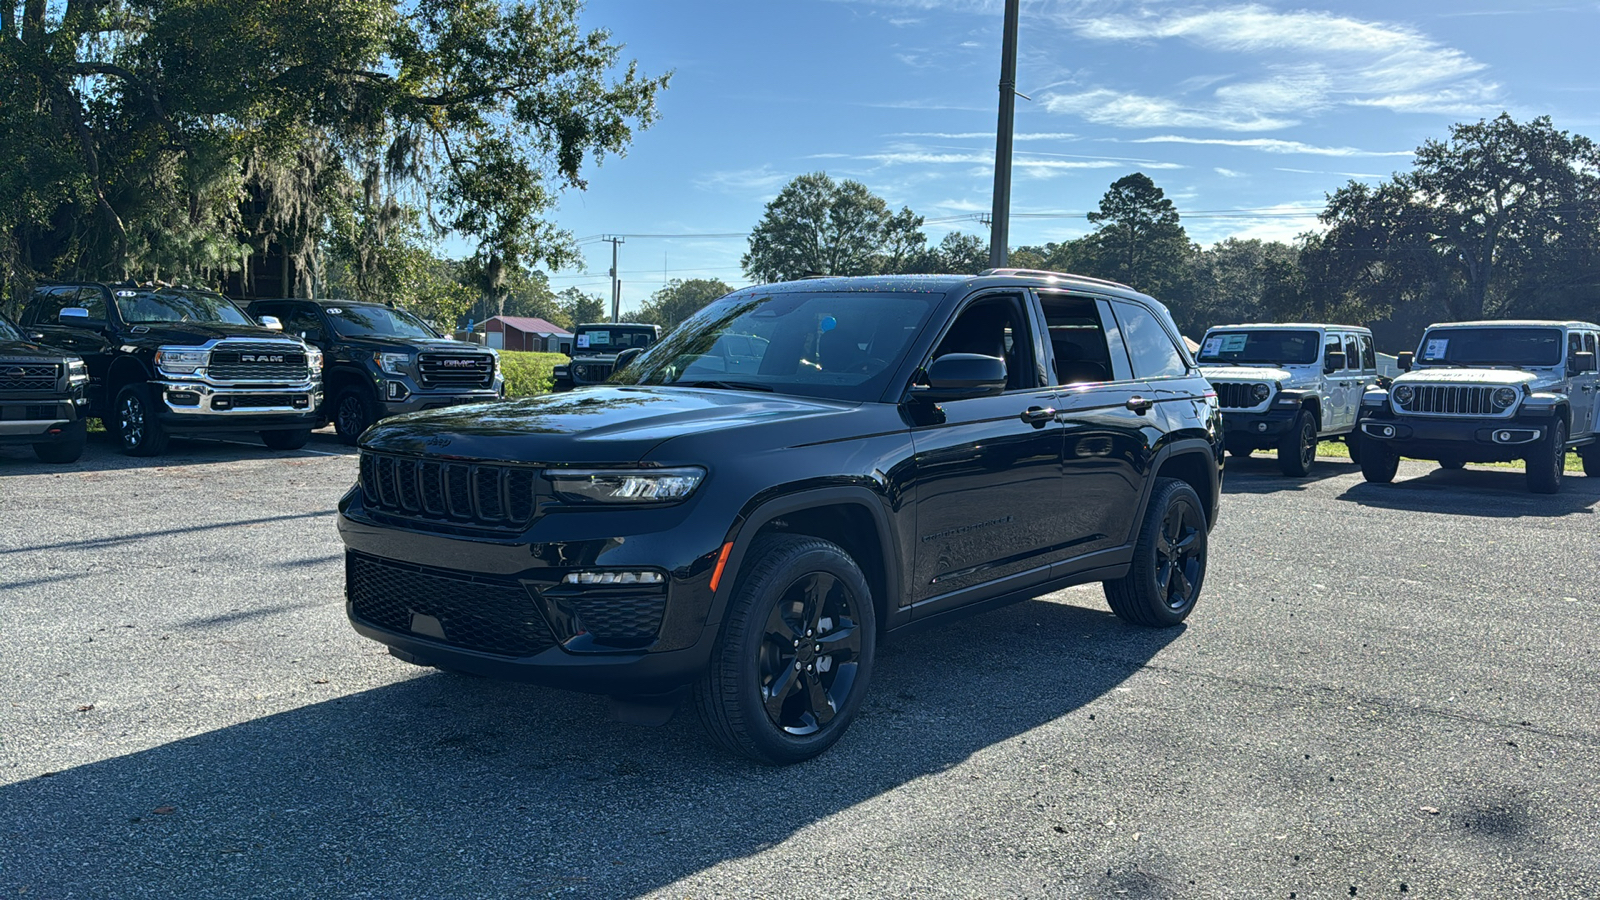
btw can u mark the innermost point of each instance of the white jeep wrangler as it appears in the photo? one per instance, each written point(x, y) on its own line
point(1490, 392)
point(1287, 387)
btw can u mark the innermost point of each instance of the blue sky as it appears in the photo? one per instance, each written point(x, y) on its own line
point(1246, 114)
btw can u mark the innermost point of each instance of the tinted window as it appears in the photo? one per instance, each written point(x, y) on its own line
point(1509, 346)
point(1259, 348)
point(995, 326)
point(1369, 356)
point(1150, 348)
point(7, 331)
point(149, 307)
point(1078, 341)
point(1352, 352)
point(612, 339)
point(48, 304)
point(362, 319)
point(299, 320)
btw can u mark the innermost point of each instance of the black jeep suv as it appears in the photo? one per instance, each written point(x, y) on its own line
point(42, 398)
point(379, 361)
point(595, 349)
point(172, 360)
point(904, 450)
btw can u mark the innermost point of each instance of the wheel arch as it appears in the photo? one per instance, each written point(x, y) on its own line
point(1192, 462)
point(341, 377)
point(125, 370)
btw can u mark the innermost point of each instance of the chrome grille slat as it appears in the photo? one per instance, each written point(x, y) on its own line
point(227, 363)
point(444, 370)
point(34, 378)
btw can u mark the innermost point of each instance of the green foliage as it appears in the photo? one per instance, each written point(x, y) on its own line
point(580, 307)
point(816, 226)
point(678, 300)
point(956, 253)
point(528, 374)
point(1138, 241)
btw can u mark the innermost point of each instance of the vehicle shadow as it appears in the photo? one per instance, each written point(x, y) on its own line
point(1259, 474)
point(1482, 492)
point(445, 785)
point(101, 453)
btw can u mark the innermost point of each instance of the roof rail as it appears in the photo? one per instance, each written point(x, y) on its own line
point(1049, 274)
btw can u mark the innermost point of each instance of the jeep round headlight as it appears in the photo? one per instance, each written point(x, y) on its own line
point(180, 361)
point(1260, 392)
point(625, 485)
point(1403, 394)
point(1504, 397)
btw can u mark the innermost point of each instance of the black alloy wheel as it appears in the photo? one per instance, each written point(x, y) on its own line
point(1169, 560)
point(795, 656)
point(352, 414)
point(138, 431)
point(1549, 460)
point(1299, 448)
point(1379, 461)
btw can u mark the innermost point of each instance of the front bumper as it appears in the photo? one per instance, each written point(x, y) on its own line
point(28, 419)
point(410, 401)
point(198, 406)
point(1261, 429)
point(1471, 440)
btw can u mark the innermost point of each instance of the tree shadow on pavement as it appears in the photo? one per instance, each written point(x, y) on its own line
point(444, 785)
point(1488, 493)
point(101, 454)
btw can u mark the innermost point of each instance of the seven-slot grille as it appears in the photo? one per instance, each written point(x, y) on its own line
point(472, 612)
point(442, 492)
point(278, 361)
point(465, 370)
point(591, 372)
point(1453, 400)
point(1236, 396)
point(29, 378)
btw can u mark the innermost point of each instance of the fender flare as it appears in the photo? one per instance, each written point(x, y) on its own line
point(1183, 447)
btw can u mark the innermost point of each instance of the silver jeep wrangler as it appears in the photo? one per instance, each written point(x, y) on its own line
point(1288, 387)
point(1490, 392)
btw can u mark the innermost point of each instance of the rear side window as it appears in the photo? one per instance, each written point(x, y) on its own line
point(1150, 348)
point(1352, 352)
point(1083, 340)
point(1369, 356)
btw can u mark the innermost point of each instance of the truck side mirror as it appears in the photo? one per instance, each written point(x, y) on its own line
point(73, 315)
point(270, 322)
point(1581, 361)
point(1333, 362)
point(1403, 360)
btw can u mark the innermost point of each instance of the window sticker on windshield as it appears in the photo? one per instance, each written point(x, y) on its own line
point(1210, 349)
point(583, 340)
point(1436, 348)
point(598, 337)
point(1233, 343)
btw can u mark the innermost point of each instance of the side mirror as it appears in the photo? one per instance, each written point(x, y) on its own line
point(270, 322)
point(1582, 361)
point(1333, 362)
point(957, 376)
point(73, 315)
point(626, 357)
point(1403, 360)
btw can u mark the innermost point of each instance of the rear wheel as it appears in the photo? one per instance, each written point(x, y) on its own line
point(1379, 462)
point(1169, 560)
point(67, 448)
point(794, 658)
point(1548, 460)
point(1591, 460)
point(286, 440)
point(1299, 448)
point(352, 413)
point(139, 433)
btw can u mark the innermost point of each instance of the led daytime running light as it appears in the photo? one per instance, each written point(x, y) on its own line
point(645, 577)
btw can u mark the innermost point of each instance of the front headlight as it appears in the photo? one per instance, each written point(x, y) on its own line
point(1260, 392)
point(1504, 397)
point(625, 485)
point(77, 372)
point(393, 363)
point(178, 361)
point(1403, 394)
point(313, 358)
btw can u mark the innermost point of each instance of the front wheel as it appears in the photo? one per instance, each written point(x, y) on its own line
point(286, 440)
point(67, 448)
point(1549, 460)
point(1299, 448)
point(794, 658)
point(139, 432)
point(1169, 560)
point(1352, 442)
point(1379, 462)
point(1590, 455)
point(352, 413)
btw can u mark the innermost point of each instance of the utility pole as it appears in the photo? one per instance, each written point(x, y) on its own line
point(616, 283)
point(999, 233)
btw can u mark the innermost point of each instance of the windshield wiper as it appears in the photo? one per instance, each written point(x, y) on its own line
point(726, 385)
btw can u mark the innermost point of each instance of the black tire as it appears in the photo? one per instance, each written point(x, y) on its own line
point(286, 440)
point(1379, 462)
point(66, 449)
point(352, 414)
point(1548, 460)
point(1169, 560)
point(767, 695)
point(1298, 450)
point(139, 433)
point(1452, 464)
point(1590, 455)
point(1352, 442)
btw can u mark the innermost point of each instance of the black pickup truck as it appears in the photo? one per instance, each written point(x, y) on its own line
point(175, 360)
point(42, 400)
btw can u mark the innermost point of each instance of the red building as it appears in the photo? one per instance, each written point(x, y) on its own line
point(524, 333)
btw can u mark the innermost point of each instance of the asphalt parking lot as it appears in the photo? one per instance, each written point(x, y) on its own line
point(1385, 690)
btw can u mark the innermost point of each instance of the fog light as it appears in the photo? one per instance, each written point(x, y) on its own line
point(302, 402)
point(1261, 426)
point(221, 403)
point(645, 577)
point(1386, 430)
point(397, 391)
point(183, 398)
point(1504, 436)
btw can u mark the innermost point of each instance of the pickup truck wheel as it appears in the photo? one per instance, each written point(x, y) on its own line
point(68, 448)
point(1379, 462)
point(1590, 455)
point(793, 660)
point(286, 440)
point(139, 433)
point(1549, 460)
point(1299, 448)
point(352, 413)
point(1169, 560)
point(1352, 442)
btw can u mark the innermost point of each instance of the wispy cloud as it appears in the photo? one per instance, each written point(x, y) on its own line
point(1323, 172)
point(1228, 173)
point(986, 135)
point(762, 181)
point(1270, 145)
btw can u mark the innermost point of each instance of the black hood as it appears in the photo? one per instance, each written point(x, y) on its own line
point(392, 344)
point(195, 333)
point(28, 352)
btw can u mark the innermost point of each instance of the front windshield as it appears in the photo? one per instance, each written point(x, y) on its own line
point(149, 307)
point(362, 320)
point(838, 346)
point(1260, 348)
point(612, 339)
point(1509, 346)
point(7, 331)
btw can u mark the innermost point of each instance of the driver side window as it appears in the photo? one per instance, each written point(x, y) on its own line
point(995, 326)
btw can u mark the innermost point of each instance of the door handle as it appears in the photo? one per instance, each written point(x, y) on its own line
point(1038, 415)
point(1139, 404)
